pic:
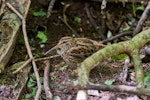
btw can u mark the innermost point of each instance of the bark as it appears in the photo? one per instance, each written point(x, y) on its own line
point(130, 47)
point(9, 29)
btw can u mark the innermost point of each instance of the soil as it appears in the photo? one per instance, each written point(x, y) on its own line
point(54, 28)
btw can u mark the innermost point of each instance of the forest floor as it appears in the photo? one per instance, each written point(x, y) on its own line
point(118, 19)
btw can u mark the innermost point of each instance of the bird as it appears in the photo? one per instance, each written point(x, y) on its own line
point(75, 50)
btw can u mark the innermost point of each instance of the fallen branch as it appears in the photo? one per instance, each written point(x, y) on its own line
point(144, 16)
point(50, 7)
point(48, 93)
point(93, 21)
point(130, 47)
point(114, 88)
point(23, 18)
point(116, 37)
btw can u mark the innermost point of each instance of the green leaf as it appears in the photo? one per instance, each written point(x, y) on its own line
point(31, 83)
point(41, 80)
point(77, 19)
point(37, 55)
point(56, 98)
point(21, 39)
point(73, 74)
point(109, 82)
point(32, 76)
point(140, 8)
point(39, 13)
point(42, 36)
point(109, 34)
point(64, 68)
point(61, 87)
point(58, 52)
point(27, 96)
point(34, 91)
point(147, 80)
point(53, 78)
point(74, 36)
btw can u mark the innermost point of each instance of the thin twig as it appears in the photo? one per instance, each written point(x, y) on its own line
point(33, 62)
point(73, 31)
point(47, 52)
point(50, 7)
point(144, 16)
point(46, 58)
point(27, 45)
point(27, 9)
point(29, 60)
point(93, 21)
point(14, 10)
point(117, 36)
point(48, 93)
point(25, 64)
point(64, 20)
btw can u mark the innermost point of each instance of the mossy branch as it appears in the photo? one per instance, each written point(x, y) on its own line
point(130, 47)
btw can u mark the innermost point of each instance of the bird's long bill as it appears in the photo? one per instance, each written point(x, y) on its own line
point(55, 47)
point(101, 44)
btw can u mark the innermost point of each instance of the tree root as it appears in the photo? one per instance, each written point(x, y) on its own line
point(130, 47)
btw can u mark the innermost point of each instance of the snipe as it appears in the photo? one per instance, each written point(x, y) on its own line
point(75, 50)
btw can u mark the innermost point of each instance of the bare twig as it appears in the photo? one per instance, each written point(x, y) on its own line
point(23, 18)
point(73, 31)
point(48, 93)
point(117, 36)
point(93, 21)
point(64, 19)
point(144, 16)
point(46, 58)
point(115, 88)
point(53, 48)
point(29, 60)
point(50, 7)
point(25, 64)
point(14, 10)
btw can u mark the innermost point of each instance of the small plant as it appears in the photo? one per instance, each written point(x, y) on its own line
point(73, 74)
point(39, 13)
point(109, 82)
point(77, 19)
point(21, 39)
point(42, 36)
point(58, 51)
point(109, 34)
point(61, 87)
point(64, 68)
point(136, 8)
point(147, 80)
point(74, 36)
point(53, 78)
point(31, 85)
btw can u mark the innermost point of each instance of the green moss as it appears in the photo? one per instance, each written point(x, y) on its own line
point(119, 57)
